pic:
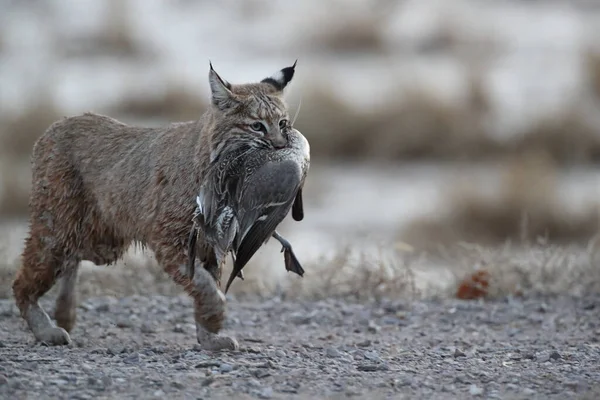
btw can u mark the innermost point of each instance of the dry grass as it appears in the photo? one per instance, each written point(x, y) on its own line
point(115, 40)
point(529, 270)
point(526, 207)
point(176, 103)
point(592, 69)
point(415, 127)
point(421, 126)
point(567, 137)
point(19, 132)
point(358, 31)
point(15, 188)
point(357, 34)
point(360, 274)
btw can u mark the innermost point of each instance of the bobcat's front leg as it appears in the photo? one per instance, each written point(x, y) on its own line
point(209, 300)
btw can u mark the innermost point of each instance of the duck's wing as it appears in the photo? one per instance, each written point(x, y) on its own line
point(265, 201)
point(256, 236)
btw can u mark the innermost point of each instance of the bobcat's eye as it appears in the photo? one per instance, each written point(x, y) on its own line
point(283, 124)
point(258, 127)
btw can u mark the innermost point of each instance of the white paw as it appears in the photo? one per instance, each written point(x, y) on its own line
point(54, 336)
point(216, 343)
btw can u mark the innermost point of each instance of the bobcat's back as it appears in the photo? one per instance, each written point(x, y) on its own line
point(127, 170)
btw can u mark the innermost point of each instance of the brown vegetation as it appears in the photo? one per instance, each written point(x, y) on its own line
point(488, 272)
point(474, 286)
point(14, 192)
point(527, 270)
point(115, 40)
point(592, 68)
point(421, 126)
point(352, 30)
point(527, 207)
point(19, 132)
point(176, 103)
point(352, 35)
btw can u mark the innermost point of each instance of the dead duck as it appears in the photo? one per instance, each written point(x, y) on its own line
point(247, 192)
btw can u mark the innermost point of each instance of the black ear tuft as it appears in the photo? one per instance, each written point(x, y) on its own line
point(281, 78)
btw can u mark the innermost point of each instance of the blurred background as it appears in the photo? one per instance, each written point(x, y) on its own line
point(447, 136)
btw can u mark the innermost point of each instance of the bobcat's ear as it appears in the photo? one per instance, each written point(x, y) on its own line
point(221, 94)
point(280, 79)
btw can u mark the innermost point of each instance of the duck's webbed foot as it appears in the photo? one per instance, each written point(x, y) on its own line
point(239, 274)
point(291, 262)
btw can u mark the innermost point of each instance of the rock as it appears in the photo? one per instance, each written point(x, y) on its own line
point(280, 353)
point(207, 364)
point(103, 308)
point(224, 368)
point(475, 390)
point(260, 373)
point(459, 353)
point(132, 359)
point(332, 352)
point(266, 393)
point(106, 380)
point(3, 380)
point(116, 350)
point(372, 355)
point(554, 356)
point(178, 385)
point(178, 328)
point(124, 323)
point(147, 328)
point(373, 328)
point(91, 381)
point(372, 367)
point(300, 318)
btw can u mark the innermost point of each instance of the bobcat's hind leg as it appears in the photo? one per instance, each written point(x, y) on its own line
point(42, 265)
point(209, 300)
point(65, 312)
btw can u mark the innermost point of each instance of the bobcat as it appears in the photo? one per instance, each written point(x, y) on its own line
point(99, 185)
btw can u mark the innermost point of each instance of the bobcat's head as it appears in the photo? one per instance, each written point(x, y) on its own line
point(253, 111)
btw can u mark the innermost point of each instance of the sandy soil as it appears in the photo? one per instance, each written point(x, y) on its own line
point(144, 347)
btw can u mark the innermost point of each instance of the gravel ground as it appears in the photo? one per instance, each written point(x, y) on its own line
point(144, 347)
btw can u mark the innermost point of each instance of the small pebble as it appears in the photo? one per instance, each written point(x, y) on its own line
point(475, 390)
point(132, 359)
point(280, 353)
point(332, 352)
point(372, 355)
point(266, 393)
point(177, 385)
point(224, 368)
point(124, 323)
point(554, 356)
point(103, 308)
point(373, 328)
point(459, 353)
